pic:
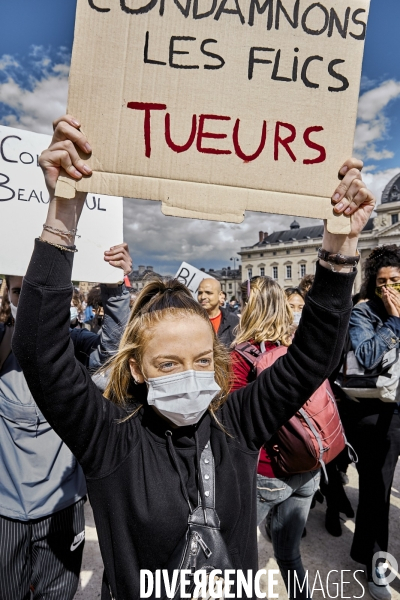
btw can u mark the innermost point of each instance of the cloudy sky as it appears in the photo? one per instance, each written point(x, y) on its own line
point(35, 49)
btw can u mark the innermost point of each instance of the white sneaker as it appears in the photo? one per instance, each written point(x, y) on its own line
point(379, 592)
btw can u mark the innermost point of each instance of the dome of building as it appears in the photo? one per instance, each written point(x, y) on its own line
point(295, 225)
point(391, 193)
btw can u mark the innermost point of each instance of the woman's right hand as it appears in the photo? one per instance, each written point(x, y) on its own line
point(62, 153)
point(391, 301)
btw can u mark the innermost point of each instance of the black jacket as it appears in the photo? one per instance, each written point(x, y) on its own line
point(226, 329)
point(139, 509)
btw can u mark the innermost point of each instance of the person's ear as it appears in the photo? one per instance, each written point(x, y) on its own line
point(135, 371)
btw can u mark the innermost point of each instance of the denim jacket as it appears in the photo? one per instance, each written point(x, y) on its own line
point(372, 332)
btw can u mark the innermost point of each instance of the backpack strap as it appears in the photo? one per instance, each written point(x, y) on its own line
point(319, 440)
point(249, 352)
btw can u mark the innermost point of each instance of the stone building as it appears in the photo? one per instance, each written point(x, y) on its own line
point(290, 254)
point(143, 275)
point(230, 280)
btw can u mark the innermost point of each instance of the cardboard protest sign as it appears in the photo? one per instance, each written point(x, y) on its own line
point(23, 210)
point(191, 277)
point(215, 107)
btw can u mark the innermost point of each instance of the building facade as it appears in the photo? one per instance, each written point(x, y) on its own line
point(230, 280)
point(142, 275)
point(288, 255)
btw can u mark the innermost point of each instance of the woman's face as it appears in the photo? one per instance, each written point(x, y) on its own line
point(387, 275)
point(176, 345)
point(296, 302)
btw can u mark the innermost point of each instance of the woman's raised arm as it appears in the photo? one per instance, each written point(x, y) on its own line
point(266, 404)
point(60, 385)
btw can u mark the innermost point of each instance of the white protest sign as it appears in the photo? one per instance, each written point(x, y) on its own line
point(191, 277)
point(216, 107)
point(23, 210)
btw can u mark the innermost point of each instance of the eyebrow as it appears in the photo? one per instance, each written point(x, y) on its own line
point(175, 357)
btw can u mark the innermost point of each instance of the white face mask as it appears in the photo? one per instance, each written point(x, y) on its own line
point(183, 397)
point(73, 313)
point(13, 308)
point(296, 318)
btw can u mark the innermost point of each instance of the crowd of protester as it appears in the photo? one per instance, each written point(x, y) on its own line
point(147, 403)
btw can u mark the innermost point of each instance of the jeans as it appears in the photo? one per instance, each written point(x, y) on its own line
point(290, 500)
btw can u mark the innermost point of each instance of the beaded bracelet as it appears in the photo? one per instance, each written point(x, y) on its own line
point(66, 248)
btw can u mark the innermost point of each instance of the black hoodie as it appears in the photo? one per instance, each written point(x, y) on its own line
point(140, 511)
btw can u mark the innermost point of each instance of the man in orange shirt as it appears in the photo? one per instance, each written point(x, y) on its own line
point(223, 320)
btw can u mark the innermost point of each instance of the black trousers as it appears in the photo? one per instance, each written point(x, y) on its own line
point(42, 556)
point(373, 428)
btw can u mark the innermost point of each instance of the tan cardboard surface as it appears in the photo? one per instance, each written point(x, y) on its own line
point(254, 108)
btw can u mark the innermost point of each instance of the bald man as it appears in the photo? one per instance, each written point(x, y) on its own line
point(223, 320)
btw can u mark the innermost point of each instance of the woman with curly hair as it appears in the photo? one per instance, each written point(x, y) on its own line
point(374, 425)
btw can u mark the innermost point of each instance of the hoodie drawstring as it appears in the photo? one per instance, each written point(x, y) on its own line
point(171, 448)
point(172, 451)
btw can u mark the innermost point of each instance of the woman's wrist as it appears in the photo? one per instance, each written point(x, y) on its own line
point(63, 215)
point(339, 244)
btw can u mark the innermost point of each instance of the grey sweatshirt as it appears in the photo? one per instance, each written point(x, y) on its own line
point(38, 473)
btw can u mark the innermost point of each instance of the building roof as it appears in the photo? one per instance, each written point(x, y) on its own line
point(298, 234)
point(289, 235)
point(147, 273)
point(391, 193)
point(226, 272)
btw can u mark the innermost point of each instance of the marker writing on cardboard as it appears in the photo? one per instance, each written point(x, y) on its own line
point(350, 23)
point(257, 55)
point(284, 135)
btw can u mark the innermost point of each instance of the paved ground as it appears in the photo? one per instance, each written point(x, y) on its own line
point(321, 553)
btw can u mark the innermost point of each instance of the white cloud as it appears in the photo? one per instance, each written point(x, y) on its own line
point(374, 101)
point(36, 109)
point(7, 61)
point(373, 125)
point(377, 181)
point(43, 98)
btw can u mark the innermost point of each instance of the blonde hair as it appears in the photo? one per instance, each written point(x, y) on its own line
point(267, 316)
point(157, 301)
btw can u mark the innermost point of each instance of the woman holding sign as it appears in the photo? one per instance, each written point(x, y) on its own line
point(169, 454)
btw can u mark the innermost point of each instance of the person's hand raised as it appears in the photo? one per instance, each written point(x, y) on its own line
point(63, 154)
point(118, 256)
point(391, 301)
point(352, 197)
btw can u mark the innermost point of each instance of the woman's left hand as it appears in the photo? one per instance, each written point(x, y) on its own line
point(352, 197)
point(118, 256)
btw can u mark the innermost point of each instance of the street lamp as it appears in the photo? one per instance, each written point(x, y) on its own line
point(234, 282)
